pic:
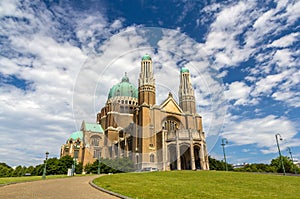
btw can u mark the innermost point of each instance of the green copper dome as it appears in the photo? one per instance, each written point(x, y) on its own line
point(184, 70)
point(146, 57)
point(76, 135)
point(124, 88)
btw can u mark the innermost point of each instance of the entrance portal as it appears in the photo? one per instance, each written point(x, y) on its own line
point(185, 157)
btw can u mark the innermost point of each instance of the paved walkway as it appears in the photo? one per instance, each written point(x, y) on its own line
point(63, 188)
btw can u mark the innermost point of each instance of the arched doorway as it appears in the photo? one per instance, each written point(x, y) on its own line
point(172, 156)
point(197, 157)
point(185, 157)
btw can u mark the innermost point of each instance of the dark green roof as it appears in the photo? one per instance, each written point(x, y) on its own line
point(184, 70)
point(146, 57)
point(124, 88)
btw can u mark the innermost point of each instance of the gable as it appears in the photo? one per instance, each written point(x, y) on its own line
point(170, 105)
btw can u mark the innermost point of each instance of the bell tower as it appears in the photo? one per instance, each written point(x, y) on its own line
point(146, 82)
point(186, 92)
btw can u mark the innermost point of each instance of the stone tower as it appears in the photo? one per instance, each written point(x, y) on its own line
point(186, 92)
point(146, 82)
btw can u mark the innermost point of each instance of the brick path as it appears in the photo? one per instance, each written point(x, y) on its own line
point(63, 188)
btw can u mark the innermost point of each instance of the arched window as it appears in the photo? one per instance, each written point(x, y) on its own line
point(170, 125)
point(151, 158)
point(95, 140)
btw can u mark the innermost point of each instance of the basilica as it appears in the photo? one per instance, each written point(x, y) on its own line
point(166, 136)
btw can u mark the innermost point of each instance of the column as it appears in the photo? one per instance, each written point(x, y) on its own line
point(202, 160)
point(164, 150)
point(178, 152)
point(192, 155)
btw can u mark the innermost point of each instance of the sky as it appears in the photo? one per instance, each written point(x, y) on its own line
point(59, 59)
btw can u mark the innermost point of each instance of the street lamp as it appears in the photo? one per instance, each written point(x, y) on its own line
point(290, 152)
point(76, 151)
point(224, 142)
point(44, 172)
point(280, 157)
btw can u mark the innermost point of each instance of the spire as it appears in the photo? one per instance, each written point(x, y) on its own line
point(186, 92)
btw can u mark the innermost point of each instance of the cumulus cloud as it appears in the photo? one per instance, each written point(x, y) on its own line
point(260, 132)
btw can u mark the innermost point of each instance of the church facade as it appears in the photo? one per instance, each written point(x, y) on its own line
point(168, 136)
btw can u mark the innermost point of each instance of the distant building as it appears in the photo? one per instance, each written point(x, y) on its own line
point(168, 136)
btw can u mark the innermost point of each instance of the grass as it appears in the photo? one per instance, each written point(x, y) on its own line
point(201, 184)
point(10, 180)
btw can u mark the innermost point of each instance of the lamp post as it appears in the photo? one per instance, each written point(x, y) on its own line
point(44, 171)
point(224, 142)
point(280, 157)
point(76, 151)
point(290, 152)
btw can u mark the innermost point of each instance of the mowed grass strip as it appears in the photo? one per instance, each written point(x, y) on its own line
point(201, 184)
point(9, 180)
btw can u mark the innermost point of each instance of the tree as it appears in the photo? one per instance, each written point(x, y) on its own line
point(18, 171)
point(287, 162)
point(78, 168)
point(64, 164)
point(30, 170)
point(257, 168)
point(5, 170)
point(218, 165)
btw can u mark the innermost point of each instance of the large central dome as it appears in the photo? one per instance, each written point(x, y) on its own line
point(124, 88)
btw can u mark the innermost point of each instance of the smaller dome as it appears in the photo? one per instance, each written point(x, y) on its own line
point(146, 57)
point(76, 135)
point(124, 88)
point(184, 70)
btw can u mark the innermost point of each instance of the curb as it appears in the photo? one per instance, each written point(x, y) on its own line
point(107, 191)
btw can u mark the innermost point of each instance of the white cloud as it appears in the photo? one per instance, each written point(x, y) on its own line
point(265, 85)
point(8, 7)
point(260, 132)
point(239, 92)
point(285, 41)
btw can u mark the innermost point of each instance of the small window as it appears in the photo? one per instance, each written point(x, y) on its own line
point(151, 158)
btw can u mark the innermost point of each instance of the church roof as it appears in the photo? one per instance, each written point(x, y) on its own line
point(76, 135)
point(146, 57)
point(124, 88)
point(96, 128)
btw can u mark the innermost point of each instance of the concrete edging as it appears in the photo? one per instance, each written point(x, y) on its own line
point(107, 191)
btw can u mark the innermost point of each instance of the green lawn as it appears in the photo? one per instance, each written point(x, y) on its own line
point(9, 180)
point(201, 184)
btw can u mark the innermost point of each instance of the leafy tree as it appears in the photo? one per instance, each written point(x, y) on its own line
point(38, 170)
point(18, 171)
point(78, 168)
point(257, 168)
point(218, 165)
point(5, 170)
point(64, 164)
point(30, 170)
point(287, 162)
point(52, 166)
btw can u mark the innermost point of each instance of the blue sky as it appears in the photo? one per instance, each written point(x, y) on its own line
point(59, 59)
